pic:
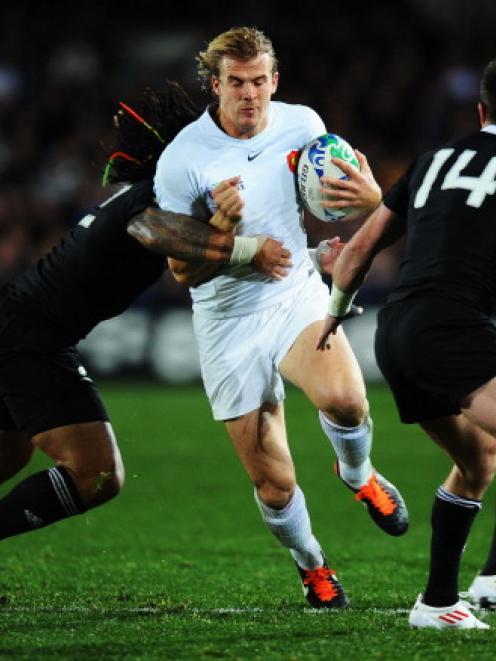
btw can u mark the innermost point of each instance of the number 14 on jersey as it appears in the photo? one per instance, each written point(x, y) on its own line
point(479, 187)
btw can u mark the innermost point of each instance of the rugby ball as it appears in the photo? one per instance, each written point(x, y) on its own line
point(315, 162)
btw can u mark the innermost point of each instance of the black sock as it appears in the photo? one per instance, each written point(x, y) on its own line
point(39, 500)
point(490, 566)
point(452, 518)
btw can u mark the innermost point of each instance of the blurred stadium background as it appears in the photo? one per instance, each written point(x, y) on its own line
point(394, 78)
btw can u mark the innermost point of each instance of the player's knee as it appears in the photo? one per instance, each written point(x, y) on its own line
point(346, 407)
point(275, 494)
point(99, 482)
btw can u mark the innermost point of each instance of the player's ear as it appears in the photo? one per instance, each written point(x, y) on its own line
point(215, 85)
point(482, 110)
point(275, 81)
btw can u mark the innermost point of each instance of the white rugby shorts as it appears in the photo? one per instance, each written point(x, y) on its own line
point(239, 356)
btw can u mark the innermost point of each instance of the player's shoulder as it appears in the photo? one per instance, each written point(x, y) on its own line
point(300, 122)
point(179, 150)
point(472, 140)
point(188, 135)
point(475, 140)
point(294, 111)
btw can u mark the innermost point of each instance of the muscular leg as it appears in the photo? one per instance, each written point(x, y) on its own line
point(333, 382)
point(457, 502)
point(88, 472)
point(472, 449)
point(479, 407)
point(16, 450)
point(259, 438)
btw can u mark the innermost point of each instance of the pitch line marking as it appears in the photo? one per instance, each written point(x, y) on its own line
point(197, 611)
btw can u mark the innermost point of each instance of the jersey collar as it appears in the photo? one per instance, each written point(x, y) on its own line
point(489, 129)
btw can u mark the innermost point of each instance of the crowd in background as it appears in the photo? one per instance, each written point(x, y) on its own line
point(394, 81)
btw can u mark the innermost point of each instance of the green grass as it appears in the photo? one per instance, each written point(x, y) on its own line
point(181, 567)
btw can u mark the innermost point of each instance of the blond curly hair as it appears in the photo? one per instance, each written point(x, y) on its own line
point(239, 43)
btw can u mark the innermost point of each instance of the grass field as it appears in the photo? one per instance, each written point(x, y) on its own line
point(181, 567)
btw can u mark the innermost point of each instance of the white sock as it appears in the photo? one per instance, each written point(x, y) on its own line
point(292, 528)
point(352, 447)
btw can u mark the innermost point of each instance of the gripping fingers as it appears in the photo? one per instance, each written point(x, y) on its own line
point(333, 183)
point(346, 167)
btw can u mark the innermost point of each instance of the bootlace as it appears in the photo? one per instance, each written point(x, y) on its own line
point(319, 580)
point(377, 496)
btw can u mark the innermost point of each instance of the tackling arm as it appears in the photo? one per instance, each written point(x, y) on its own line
point(383, 228)
point(186, 238)
point(181, 237)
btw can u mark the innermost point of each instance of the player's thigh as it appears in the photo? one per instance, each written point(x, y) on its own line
point(466, 443)
point(480, 406)
point(325, 377)
point(260, 441)
point(237, 364)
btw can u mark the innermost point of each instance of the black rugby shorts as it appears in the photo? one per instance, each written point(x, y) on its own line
point(433, 352)
point(42, 386)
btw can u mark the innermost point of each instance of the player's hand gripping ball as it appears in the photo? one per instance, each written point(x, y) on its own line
point(314, 163)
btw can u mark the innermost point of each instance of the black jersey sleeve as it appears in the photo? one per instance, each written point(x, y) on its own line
point(398, 196)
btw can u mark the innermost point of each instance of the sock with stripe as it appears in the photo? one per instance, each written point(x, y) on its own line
point(38, 501)
point(291, 526)
point(452, 518)
point(352, 447)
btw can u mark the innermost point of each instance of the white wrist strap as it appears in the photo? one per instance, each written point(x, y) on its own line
point(340, 302)
point(245, 248)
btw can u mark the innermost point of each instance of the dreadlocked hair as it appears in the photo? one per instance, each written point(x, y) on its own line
point(144, 129)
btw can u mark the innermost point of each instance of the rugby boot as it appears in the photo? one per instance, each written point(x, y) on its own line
point(322, 588)
point(482, 592)
point(383, 502)
point(457, 616)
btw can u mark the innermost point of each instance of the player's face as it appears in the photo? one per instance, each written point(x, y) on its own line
point(244, 89)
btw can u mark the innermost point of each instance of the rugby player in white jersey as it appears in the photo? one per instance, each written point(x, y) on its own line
point(252, 331)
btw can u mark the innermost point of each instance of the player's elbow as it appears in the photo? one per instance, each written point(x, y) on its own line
point(142, 228)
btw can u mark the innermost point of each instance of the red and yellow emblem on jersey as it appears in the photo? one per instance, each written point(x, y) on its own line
point(292, 159)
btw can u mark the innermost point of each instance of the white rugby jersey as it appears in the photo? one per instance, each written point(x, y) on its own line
point(200, 157)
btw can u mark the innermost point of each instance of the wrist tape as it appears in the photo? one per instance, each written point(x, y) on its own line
point(340, 302)
point(245, 248)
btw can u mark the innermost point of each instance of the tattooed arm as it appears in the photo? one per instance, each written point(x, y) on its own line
point(188, 239)
point(181, 237)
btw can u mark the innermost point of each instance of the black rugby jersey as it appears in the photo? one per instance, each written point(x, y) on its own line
point(94, 273)
point(448, 198)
